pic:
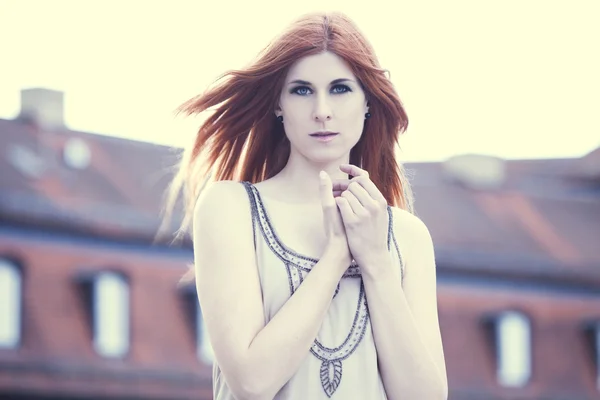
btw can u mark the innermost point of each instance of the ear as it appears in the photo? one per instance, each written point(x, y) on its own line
point(278, 111)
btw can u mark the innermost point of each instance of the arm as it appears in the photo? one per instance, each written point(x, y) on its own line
point(405, 320)
point(256, 360)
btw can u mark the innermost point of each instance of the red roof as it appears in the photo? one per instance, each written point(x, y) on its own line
point(119, 193)
point(544, 218)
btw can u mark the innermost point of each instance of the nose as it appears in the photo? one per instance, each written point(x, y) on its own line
point(322, 110)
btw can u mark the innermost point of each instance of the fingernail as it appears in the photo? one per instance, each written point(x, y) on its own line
point(322, 174)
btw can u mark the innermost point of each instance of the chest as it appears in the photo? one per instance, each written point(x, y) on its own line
point(298, 227)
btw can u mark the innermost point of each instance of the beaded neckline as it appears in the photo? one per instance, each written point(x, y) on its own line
point(297, 266)
point(265, 221)
point(303, 261)
point(289, 255)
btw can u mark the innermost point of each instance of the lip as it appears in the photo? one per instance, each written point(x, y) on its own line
point(321, 138)
point(323, 133)
point(330, 136)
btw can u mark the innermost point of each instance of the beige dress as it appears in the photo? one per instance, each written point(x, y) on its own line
point(342, 362)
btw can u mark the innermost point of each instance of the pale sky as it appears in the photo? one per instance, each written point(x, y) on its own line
point(515, 79)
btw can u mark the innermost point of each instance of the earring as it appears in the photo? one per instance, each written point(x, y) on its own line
point(367, 115)
point(280, 119)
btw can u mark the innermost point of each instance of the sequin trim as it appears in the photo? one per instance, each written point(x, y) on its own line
point(297, 266)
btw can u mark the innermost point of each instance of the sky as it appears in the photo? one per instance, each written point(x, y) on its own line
point(513, 78)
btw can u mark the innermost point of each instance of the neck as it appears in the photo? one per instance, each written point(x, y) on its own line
point(299, 179)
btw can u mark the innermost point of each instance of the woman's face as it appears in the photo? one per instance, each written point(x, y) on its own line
point(321, 94)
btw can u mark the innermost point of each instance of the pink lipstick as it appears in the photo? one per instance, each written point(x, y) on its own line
point(324, 136)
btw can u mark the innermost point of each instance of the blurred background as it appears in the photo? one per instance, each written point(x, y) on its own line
point(503, 151)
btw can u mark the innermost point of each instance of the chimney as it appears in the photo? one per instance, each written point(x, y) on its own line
point(588, 167)
point(45, 107)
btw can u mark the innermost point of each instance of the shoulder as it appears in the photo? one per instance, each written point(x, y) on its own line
point(408, 224)
point(222, 201)
point(412, 234)
point(220, 194)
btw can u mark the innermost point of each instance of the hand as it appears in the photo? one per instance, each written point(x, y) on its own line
point(337, 242)
point(364, 215)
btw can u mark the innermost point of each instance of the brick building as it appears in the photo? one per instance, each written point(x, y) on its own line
point(518, 257)
point(90, 307)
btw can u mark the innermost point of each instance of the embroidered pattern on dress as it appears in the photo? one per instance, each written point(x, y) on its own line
point(297, 267)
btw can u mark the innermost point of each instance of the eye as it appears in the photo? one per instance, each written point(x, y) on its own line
point(339, 89)
point(301, 90)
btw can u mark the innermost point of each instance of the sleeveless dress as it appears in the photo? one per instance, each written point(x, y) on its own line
point(342, 362)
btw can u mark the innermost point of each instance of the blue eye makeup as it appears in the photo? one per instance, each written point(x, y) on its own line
point(305, 90)
point(301, 90)
point(343, 87)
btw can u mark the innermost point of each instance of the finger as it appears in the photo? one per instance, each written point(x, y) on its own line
point(328, 204)
point(353, 170)
point(325, 189)
point(370, 187)
point(340, 184)
point(362, 195)
point(355, 205)
point(362, 176)
point(348, 216)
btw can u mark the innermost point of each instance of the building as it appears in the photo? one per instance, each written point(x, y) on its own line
point(518, 259)
point(90, 306)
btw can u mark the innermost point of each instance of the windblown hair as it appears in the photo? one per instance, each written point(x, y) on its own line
point(242, 139)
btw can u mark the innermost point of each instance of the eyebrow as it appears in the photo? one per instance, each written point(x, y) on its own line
point(333, 82)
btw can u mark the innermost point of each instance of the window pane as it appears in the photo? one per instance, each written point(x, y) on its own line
point(10, 305)
point(111, 315)
point(514, 349)
point(203, 347)
point(597, 355)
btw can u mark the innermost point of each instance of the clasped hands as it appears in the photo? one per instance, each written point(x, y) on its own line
point(363, 210)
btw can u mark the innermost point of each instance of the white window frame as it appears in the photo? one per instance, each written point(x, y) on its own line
point(111, 315)
point(11, 297)
point(204, 350)
point(513, 348)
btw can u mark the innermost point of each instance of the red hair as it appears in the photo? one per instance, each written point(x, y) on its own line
point(242, 139)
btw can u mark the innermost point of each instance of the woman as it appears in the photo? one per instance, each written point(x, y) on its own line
point(315, 279)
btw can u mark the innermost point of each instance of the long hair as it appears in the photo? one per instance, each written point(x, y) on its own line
point(242, 139)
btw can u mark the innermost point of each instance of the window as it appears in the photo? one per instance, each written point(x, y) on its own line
point(591, 329)
point(513, 348)
point(110, 314)
point(195, 321)
point(596, 331)
point(10, 305)
point(203, 347)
